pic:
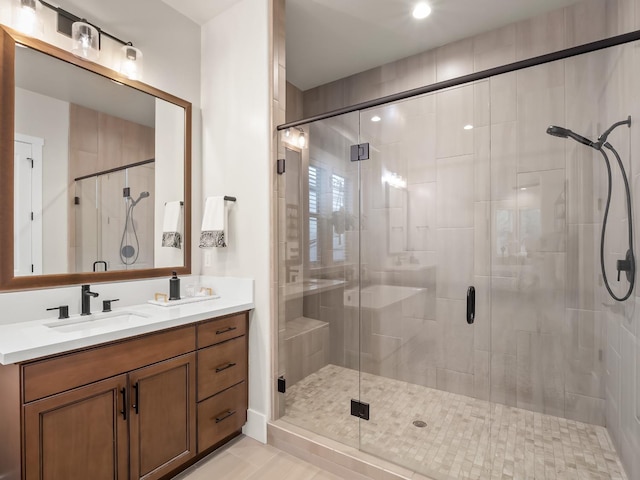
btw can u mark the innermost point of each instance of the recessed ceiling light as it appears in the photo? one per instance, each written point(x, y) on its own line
point(468, 127)
point(421, 10)
point(375, 118)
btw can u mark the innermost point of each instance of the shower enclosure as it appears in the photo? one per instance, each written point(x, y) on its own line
point(113, 219)
point(388, 216)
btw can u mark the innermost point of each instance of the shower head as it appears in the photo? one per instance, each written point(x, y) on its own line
point(566, 133)
point(142, 195)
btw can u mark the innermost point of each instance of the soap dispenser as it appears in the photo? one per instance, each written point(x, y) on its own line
point(174, 287)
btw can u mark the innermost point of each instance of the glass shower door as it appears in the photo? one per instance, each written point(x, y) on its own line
point(319, 323)
point(424, 370)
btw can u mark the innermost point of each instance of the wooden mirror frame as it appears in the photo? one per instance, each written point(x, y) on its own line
point(8, 40)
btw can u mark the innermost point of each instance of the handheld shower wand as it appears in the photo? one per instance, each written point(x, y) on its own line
point(127, 252)
point(628, 265)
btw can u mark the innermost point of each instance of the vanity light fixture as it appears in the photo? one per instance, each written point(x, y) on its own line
point(25, 18)
point(131, 62)
point(87, 40)
point(86, 43)
point(302, 138)
point(421, 10)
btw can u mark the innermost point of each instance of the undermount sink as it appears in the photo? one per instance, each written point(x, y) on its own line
point(96, 320)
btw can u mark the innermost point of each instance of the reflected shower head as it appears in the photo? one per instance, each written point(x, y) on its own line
point(566, 133)
point(142, 195)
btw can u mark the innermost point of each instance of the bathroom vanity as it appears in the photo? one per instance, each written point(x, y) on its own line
point(139, 406)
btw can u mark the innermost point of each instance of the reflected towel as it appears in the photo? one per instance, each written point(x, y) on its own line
point(171, 236)
point(214, 223)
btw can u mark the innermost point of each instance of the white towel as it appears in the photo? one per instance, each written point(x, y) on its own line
point(214, 223)
point(171, 225)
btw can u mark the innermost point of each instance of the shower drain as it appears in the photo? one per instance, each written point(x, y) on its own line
point(419, 423)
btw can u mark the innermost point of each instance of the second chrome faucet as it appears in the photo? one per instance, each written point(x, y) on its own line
point(86, 299)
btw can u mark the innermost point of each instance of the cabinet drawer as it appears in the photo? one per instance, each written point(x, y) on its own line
point(216, 331)
point(49, 376)
point(221, 366)
point(222, 415)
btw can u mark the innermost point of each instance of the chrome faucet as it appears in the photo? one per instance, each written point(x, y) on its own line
point(86, 299)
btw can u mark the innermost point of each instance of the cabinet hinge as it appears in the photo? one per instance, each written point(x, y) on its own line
point(359, 152)
point(360, 409)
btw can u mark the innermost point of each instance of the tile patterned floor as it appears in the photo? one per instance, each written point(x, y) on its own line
point(246, 459)
point(462, 435)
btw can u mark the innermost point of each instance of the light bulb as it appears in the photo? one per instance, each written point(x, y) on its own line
point(25, 16)
point(131, 62)
point(421, 10)
point(85, 41)
point(375, 118)
point(302, 139)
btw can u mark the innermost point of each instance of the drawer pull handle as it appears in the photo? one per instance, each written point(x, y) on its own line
point(226, 330)
point(225, 416)
point(228, 365)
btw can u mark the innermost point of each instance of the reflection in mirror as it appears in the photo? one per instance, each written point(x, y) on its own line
point(96, 171)
point(87, 172)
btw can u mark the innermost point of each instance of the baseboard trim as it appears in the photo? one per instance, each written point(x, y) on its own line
point(256, 426)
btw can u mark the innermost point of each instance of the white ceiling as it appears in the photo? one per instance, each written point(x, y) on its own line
point(332, 39)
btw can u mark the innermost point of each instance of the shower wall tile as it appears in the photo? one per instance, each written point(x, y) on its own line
point(541, 102)
point(504, 373)
point(482, 103)
point(539, 35)
point(422, 216)
point(504, 99)
point(494, 48)
point(458, 335)
point(504, 238)
point(422, 351)
point(584, 409)
point(454, 60)
point(586, 21)
point(455, 192)
point(482, 163)
point(482, 239)
point(454, 382)
point(419, 148)
point(503, 160)
point(455, 262)
point(583, 180)
point(481, 375)
point(454, 110)
point(582, 271)
point(584, 341)
point(540, 376)
point(542, 211)
point(540, 293)
point(482, 324)
point(505, 308)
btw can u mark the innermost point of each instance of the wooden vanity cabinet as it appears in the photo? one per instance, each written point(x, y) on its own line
point(127, 410)
point(78, 434)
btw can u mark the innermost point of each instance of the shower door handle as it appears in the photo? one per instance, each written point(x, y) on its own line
point(471, 305)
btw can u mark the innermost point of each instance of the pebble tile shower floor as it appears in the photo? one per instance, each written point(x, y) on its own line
point(462, 437)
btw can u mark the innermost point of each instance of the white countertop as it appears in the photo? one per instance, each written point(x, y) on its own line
point(33, 339)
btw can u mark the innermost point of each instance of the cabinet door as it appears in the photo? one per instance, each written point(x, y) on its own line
point(81, 433)
point(163, 417)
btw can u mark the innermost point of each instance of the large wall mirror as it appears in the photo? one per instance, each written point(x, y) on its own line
point(95, 179)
